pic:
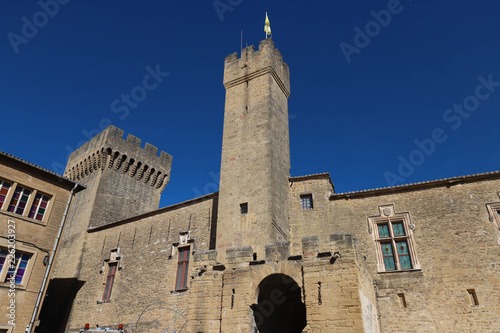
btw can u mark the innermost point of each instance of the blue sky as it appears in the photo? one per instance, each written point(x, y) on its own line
point(383, 92)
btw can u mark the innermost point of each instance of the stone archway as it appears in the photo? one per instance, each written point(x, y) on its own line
point(279, 307)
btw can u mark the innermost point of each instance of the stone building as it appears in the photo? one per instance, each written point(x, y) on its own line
point(33, 202)
point(269, 252)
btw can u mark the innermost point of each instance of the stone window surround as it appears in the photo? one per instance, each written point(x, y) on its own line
point(178, 264)
point(29, 204)
point(110, 281)
point(9, 328)
point(387, 213)
point(114, 257)
point(27, 273)
point(493, 211)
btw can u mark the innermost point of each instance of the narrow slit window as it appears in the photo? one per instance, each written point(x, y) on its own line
point(320, 301)
point(232, 299)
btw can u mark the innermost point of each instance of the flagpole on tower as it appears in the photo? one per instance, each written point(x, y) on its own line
point(267, 27)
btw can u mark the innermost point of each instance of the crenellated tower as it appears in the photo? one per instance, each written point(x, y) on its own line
point(126, 180)
point(255, 164)
point(122, 179)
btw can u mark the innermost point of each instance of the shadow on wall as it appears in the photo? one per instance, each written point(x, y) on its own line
point(279, 307)
point(57, 305)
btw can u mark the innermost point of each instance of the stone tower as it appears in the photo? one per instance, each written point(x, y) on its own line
point(125, 179)
point(122, 180)
point(255, 166)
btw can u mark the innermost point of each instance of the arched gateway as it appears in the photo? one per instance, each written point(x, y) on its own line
point(279, 307)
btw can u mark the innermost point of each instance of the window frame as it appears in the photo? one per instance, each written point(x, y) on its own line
point(494, 212)
point(4, 208)
point(29, 267)
point(7, 327)
point(22, 193)
point(184, 263)
point(244, 208)
point(306, 196)
point(494, 215)
point(38, 206)
point(389, 217)
point(110, 281)
point(6, 198)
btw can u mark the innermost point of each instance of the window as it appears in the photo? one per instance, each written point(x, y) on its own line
point(13, 266)
point(23, 201)
point(494, 212)
point(402, 300)
point(19, 200)
point(182, 268)
point(394, 240)
point(4, 190)
point(110, 279)
point(39, 206)
point(6, 328)
point(472, 297)
point(244, 208)
point(306, 201)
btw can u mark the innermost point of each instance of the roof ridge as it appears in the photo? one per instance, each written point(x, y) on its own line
point(409, 185)
point(18, 159)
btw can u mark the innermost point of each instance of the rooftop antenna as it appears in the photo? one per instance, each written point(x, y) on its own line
point(241, 45)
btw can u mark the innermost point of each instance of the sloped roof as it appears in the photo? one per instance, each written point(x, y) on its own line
point(424, 184)
point(50, 174)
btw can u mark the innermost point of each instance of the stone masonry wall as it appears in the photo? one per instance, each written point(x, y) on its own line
point(455, 242)
point(41, 233)
point(148, 257)
point(255, 161)
point(330, 284)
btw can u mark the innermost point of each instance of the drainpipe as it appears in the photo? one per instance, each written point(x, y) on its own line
point(29, 328)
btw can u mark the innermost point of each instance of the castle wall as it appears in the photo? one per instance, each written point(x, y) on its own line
point(148, 257)
point(68, 261)
point(455, 242)
point(123, 180)
point(285, 263)
point(327, 285)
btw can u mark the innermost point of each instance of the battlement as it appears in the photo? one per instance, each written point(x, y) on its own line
point(109, 150)
point(341, 244)
point(112, 137)
point(253, 64)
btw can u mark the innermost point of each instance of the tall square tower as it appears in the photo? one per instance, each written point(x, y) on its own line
point(255, 166)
